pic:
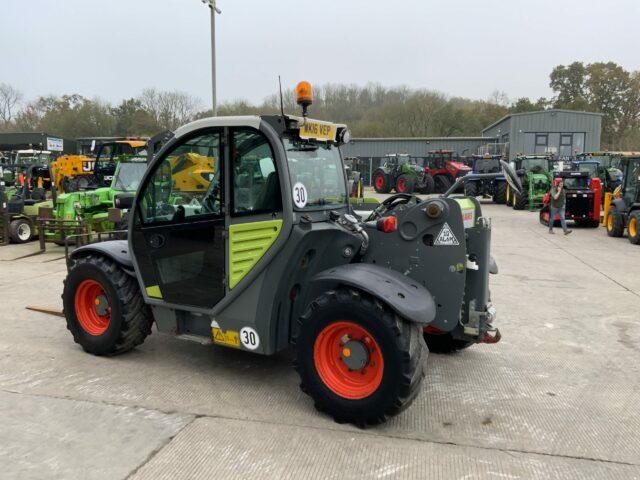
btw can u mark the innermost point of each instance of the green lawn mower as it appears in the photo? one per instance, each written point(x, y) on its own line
point(270, 256)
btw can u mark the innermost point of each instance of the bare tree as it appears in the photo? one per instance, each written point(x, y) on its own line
point(169, 109)
point(10, 98)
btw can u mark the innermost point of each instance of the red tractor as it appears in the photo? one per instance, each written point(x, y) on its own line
point(444, 170)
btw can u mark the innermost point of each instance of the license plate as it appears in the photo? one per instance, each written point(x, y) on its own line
point(318, 130)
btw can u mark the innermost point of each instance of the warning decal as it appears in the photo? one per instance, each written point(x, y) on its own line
point(230, 338)
point(446, 236)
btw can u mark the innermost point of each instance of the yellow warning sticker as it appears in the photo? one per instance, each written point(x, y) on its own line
point(230, 338)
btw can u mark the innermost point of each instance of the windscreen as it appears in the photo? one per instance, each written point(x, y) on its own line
point(129, 176)
point(535, 165)
point(318, 167)
point(576, 183)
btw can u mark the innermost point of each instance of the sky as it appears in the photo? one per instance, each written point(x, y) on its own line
point(112, 49)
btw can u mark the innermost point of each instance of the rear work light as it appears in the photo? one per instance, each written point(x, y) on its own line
point(387, 224)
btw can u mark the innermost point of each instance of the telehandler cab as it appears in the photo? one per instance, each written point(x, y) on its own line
point(624, 210)
point(270, 256)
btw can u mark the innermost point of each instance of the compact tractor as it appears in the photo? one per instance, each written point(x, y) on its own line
point(29, 190)
point(624, 210)
point(536, 176)
point(583, 196)
point(402, 173)
point(487, 186)
point(270, 255)
point(441, 166)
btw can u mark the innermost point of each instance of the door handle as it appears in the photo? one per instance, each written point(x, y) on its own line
point(156, 240)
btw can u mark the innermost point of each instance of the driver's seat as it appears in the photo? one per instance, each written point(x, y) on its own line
point(269, 198)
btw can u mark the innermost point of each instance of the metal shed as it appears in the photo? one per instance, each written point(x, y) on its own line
point(37, 140)
point(560, 132)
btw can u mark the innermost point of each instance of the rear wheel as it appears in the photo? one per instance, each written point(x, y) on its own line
point(634, 227)
point(20, 230)
point(520, 201)
point(359, 361)
point(615, 223)
point(500, 195)
point(429, 185)
point(442, 183)
point(104, 308)
point(381, 182)
point(405, 184)
point(471, 189)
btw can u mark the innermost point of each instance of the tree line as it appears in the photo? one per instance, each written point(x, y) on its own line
point(370, 111)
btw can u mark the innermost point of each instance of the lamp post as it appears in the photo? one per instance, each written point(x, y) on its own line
point(214, 9)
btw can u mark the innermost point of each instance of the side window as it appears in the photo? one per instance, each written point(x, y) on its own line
point(255, 187)
point(186, 185)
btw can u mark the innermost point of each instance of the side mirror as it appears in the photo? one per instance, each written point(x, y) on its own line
point(511, 176)
point(123, 201)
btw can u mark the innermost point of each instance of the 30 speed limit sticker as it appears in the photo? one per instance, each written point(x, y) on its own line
point(249, 338)
point(300, 195)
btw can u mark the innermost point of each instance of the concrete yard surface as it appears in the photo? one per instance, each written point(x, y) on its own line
point(558, 397)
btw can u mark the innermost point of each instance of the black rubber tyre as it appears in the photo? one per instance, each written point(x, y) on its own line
point(615, 223)
point(429, 185)
point(405, 184)
point(633, 229)
point(381, 182)
point(20, 230)
point(500, 195)
point(442, 183)
point(401, 345)
point(444, 343)
point(521, 201)
point(471, 189)
point(130, 318)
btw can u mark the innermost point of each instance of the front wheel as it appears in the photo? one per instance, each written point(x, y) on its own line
point(615, 223)
point(381, 182)
point(358, 360)
point(500, 194)
point(471, 189)
point(520, 201)
point(20, 230)
point(104, 308)
point(634, 227)
point(429, 185)
point(405, 184)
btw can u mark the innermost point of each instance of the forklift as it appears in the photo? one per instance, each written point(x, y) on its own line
point(624, 211)
point(271, 256)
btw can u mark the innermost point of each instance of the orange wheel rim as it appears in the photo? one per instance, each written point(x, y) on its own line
point(401, 185)
point(610, 222)
point(329, 352)
point(633, 227)
point(92, 307)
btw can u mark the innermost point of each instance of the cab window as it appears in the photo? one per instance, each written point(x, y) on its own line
point(255, 187)
point(186, 184)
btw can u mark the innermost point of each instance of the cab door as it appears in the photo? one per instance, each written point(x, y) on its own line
point(177, 238)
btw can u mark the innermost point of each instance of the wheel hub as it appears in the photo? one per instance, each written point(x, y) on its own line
point(101, 305)
point(354, 354)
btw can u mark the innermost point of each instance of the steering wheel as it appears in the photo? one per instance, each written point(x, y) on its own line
point(390, 203)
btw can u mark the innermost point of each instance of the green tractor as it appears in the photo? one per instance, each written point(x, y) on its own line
point(94, 211)
point(270, 256)
point(604, 165)
point(535, 173)
point(402, 173)
point(624, 211)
